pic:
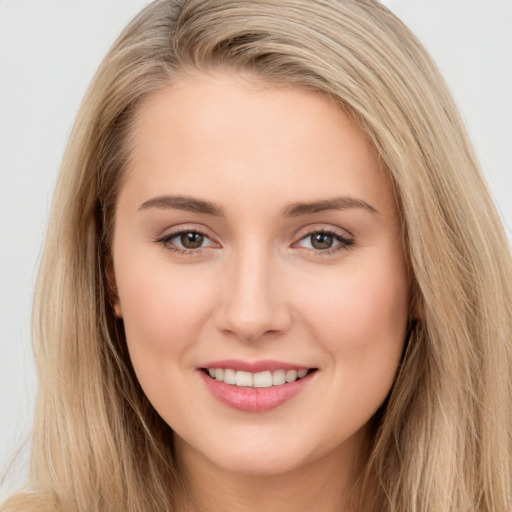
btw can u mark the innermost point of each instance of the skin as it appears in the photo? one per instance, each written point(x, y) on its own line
point(257, 288)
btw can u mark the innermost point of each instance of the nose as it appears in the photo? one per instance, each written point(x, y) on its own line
point(253, 304)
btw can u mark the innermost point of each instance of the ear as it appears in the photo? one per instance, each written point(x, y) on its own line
point(112, 292)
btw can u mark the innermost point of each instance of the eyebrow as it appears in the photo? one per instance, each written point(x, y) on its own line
point(194, 205)
point(188, 204)
point(337, 203)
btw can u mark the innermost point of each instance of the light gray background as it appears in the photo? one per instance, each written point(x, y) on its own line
point(49, 50)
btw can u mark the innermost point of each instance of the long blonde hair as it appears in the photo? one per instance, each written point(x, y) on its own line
point(442, 440)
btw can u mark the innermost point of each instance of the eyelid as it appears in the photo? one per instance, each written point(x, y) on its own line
point(180, 227)
point(324, 228)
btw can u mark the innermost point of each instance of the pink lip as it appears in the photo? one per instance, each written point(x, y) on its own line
point(250, 399)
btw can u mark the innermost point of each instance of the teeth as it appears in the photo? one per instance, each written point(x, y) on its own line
point(229, 376)
point(278, 377)
point(257, 380)
point(242, 378)
point(291, 376)
point(262, 380)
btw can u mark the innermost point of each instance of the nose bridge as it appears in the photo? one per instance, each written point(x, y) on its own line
point(254, 304)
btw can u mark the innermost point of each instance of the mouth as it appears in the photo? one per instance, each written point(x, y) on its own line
point(264, 379)
point(255, 387)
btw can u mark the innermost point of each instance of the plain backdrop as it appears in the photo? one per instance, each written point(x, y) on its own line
point(49, 50)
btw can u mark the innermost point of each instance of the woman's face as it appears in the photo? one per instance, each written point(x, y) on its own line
point(257, 240)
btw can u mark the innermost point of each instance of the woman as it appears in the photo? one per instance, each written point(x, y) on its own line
point(273, 278)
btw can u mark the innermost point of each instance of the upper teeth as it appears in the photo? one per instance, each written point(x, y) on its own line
point(256, 380)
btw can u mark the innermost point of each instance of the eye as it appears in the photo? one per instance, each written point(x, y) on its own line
point(325, 241)
point(186, 241)
point(321, 241)
point(190, 239)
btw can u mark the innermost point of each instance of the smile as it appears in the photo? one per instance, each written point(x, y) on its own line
point(265, 379)
point(258, 386)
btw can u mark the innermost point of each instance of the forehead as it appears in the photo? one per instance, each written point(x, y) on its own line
point(207, 131)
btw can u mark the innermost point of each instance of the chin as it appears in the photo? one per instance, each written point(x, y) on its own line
point(261, 464)
point(249, 455)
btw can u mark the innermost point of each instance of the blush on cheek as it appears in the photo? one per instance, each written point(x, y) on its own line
point(364, 326)
point(161, 304)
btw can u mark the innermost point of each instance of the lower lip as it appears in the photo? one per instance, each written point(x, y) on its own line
point(249, 399)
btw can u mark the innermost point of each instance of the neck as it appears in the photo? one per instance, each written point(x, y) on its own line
point(328, 484)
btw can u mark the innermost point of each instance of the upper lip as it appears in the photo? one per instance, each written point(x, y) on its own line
point(255, 366)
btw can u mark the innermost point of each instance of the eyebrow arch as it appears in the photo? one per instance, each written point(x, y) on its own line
point(185, 203)
point(337, 203)
point(191, 204)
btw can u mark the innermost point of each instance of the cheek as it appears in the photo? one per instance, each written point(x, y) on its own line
point(164, 313)
point(163, 309)
point(360, 317)
point(361, 324)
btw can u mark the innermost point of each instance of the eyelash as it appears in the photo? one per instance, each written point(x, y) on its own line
point(345, 243)
point(182, 251)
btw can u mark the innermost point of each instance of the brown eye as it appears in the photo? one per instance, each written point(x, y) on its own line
point(186, 242)
point(321, 241)
point(325, 241)
point(191, 240)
